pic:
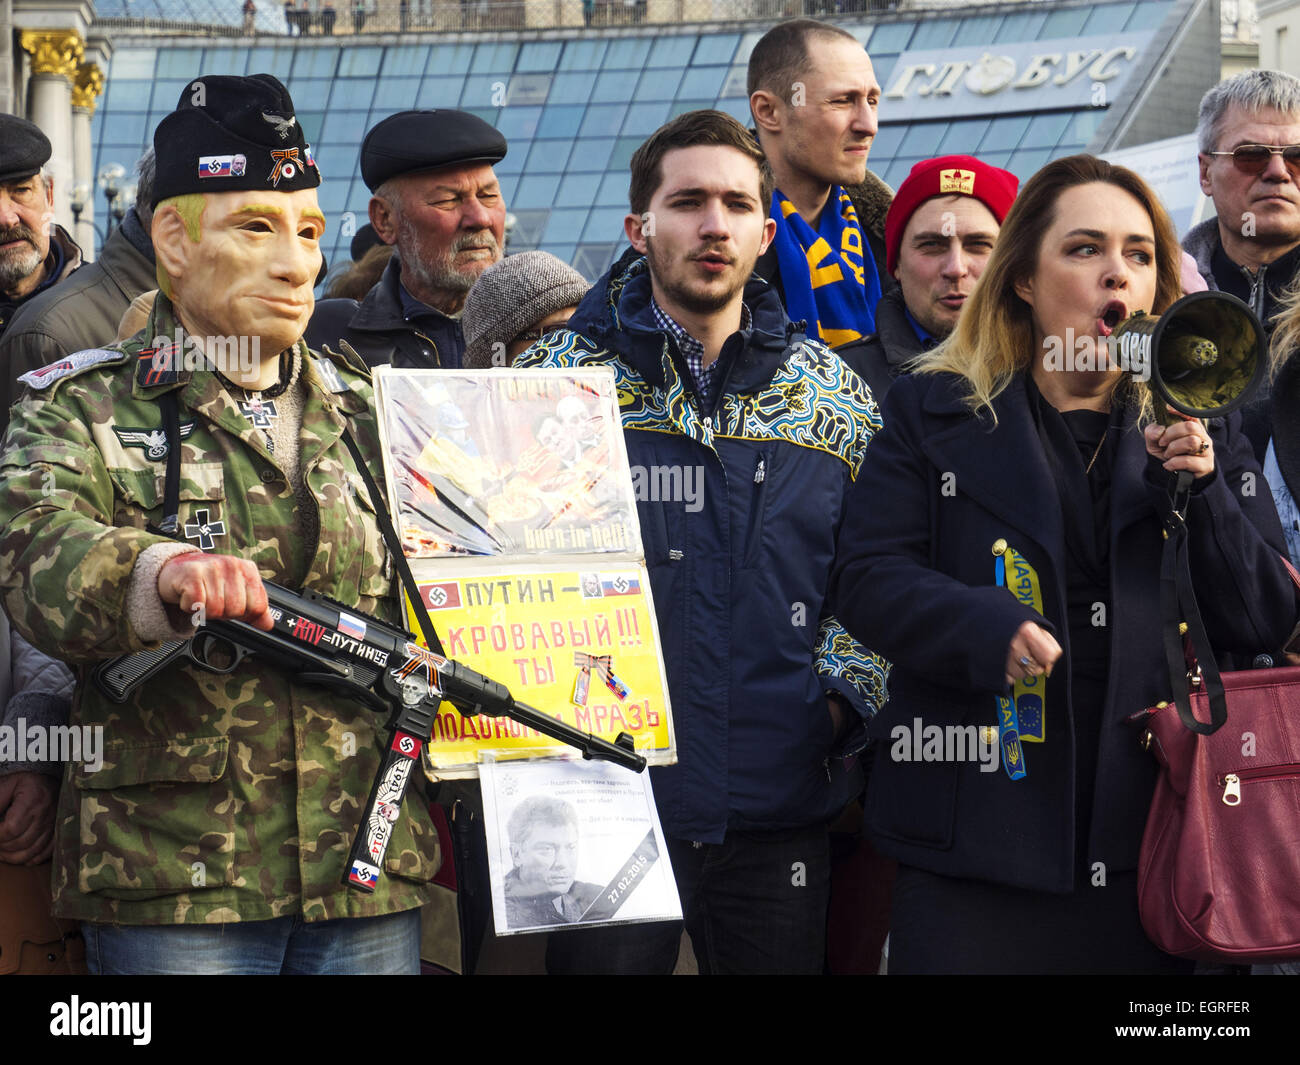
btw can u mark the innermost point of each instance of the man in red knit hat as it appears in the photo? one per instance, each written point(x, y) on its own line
point(939, 232)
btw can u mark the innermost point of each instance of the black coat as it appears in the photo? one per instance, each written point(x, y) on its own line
point(1284, 404)
point(879, 358)
point(378, 329)
point(914, 580)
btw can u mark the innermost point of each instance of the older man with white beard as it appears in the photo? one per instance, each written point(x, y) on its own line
point(437, 199)
point(34, 252)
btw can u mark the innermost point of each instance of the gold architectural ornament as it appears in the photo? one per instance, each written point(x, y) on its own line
point(54, 51)
point(88, 84)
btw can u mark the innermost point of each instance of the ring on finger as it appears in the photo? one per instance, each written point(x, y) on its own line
point(1026, 661)
point(1205, 446)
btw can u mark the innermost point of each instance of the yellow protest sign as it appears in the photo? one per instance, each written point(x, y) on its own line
point(517, 512)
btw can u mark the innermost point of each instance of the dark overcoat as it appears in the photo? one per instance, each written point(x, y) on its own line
point(379, 331)
point(914, 580)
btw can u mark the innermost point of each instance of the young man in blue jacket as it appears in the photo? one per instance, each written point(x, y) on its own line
point(720, 390)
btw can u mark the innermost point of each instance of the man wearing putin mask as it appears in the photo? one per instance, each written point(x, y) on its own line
point(152, 485)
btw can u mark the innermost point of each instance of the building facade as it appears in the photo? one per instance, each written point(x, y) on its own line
point(1015, 83)
point(1279, 34)
point(57, 58)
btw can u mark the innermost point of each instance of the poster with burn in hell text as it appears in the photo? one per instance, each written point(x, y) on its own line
point(511, 464)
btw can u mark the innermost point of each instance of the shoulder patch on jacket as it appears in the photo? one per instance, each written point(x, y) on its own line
point(44, 376)
point(328, 364)
point(814, 400)
point(329, 374)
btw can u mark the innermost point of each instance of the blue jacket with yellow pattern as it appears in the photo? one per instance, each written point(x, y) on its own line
point(740, 568)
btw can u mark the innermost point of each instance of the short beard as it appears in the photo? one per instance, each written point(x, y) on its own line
point(938, 328)
point(441, 275)
point(17, 265)
point(695, 302)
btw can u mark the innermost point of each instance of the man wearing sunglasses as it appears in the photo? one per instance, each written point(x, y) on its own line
point(1248, 134)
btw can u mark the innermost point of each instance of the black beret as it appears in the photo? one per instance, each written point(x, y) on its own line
point(365, 239)
point(231, 134)
point(425, 140)
point(24, 149)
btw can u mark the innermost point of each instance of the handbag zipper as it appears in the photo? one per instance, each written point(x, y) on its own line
point(1231, 782)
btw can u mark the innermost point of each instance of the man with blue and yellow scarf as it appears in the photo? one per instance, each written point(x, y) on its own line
point(814, 98)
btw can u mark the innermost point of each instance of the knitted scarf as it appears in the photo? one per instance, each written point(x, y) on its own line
point(830, 277)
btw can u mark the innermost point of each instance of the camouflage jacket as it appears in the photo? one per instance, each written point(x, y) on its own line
point(219, 798)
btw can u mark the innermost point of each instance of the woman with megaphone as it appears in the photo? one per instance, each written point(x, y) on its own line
point(1002, 548)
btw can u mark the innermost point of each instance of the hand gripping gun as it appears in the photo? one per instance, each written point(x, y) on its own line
point(321, 642)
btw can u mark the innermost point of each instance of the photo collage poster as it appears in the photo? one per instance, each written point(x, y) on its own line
point(515, 506)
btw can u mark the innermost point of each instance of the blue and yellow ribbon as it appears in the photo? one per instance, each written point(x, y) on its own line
point(1022, 717)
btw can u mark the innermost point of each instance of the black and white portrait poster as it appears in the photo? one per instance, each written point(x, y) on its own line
point(574, 843)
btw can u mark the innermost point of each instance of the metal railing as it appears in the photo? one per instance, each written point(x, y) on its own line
point(325, 18)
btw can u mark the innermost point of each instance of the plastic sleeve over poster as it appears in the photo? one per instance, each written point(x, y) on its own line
point(517, 514)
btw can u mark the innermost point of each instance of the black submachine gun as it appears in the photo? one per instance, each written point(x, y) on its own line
point(322, 642)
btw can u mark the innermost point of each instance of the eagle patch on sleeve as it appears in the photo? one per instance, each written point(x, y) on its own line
point(44, 376)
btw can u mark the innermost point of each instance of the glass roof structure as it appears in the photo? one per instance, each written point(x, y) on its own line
point(575, 104)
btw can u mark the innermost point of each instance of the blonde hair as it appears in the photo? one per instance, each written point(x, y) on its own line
point(1286, 337)
point(190, 209)
point(994, 337)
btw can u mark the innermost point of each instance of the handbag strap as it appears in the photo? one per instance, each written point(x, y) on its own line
point(1293, 641)
point(1178, 606)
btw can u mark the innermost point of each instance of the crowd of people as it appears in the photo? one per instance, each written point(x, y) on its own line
point(861, 376)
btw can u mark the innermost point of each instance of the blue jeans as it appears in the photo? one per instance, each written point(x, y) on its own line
point(754, 903)
point(348, 946)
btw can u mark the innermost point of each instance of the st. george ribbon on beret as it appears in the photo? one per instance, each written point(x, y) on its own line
point(232, 134)
point(24, 149)
point(426, 140)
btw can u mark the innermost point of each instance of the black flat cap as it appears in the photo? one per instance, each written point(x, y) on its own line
point(425, 140)
point(232, 134)
point(24, 149)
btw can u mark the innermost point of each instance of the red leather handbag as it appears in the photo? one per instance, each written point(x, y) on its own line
point(1219, 872)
